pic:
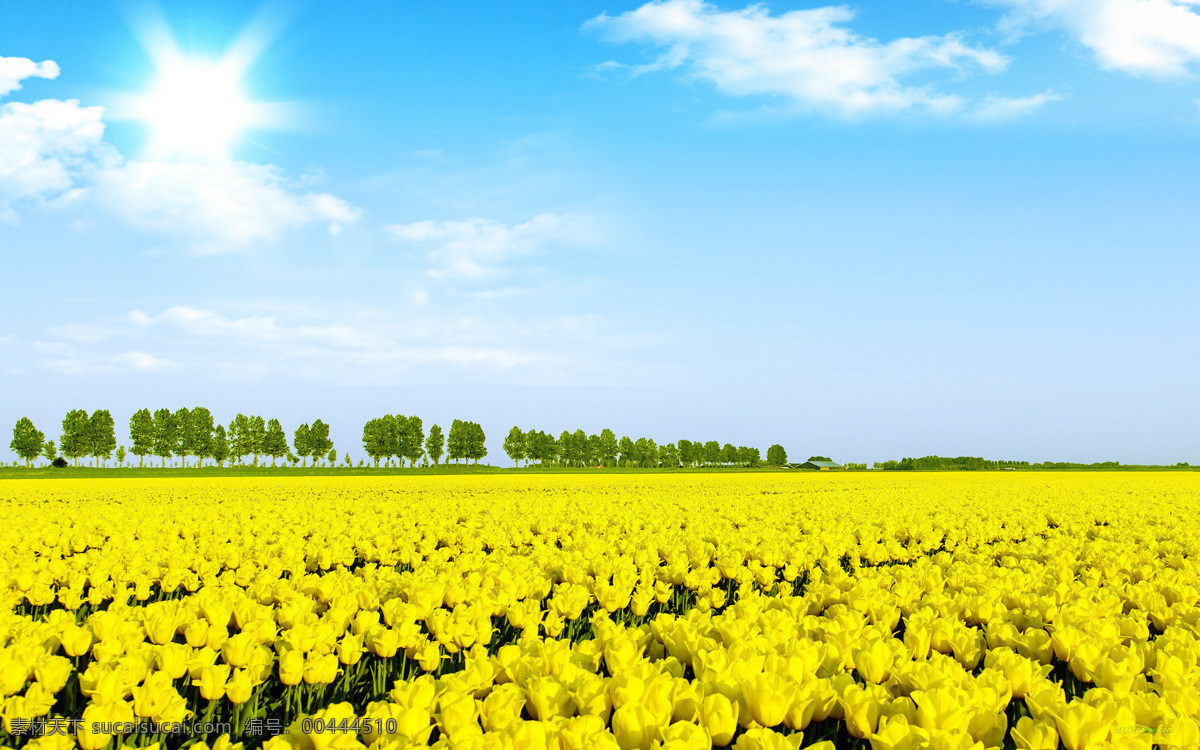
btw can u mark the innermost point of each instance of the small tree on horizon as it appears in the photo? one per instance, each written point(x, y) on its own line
point(776, 455)
point(456, 444)
point(50, 451)
point(515, 445)
point(435, 444)
point(141, 434)
point(76, 437)
point(219, 451)
point(319, 442)
point(27, 441)
point(166, 434)
point(275, 441)
point(302, 443)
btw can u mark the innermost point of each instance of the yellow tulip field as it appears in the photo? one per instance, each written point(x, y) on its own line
point(758, 611)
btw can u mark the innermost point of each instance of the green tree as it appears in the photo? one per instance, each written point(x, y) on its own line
point(50, 451)
point(120, 455)
point(302, 443)
point(776, 455)
point(827, 458)
point(435, 444)
point(566, 448)
point(729, 454)
point(319, 442)
point(239, 438)
point(591, 455)
point(476, 442)
point(608, 447)
point(275, 441)
point(753, 459)
point(195, 436)
point(375, 440)
point(456, 442)
point(141, 434)
point(219, 451)
point(668, 456)
point(712, 453)
point(650, 460)
point(27, 441)
point(579, 442)
point(183, 444)
point(332, 457)
point(76, 438)
point(412, 442)
point(625, 448)
point(687, 452)
point(166, 434)
point(256, 437)
point(514, 445)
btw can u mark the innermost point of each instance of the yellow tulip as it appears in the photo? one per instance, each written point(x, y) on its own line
point(945, 708)
point(760, 738)
point(237, 650)
point(291, 667)
point(212, 681)
point(457, 713)
point(874, 661)
point(860, 709)
point(719, 717)
point(1031, 734)
point(684, 735)
point(76, 640)
point(239, 688)
point(502, 708)
point(320, 670)
point(895, 733)
point(52, 672)
point(99, 719)
point(768, 697)
point(1081, 726)
point(634, 727)
point(547, 697)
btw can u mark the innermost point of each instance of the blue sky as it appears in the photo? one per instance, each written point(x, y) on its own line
point(865, 231)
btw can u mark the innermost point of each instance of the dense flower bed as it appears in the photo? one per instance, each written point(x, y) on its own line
point(947, 611)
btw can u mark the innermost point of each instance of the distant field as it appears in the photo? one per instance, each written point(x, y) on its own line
point(610, 610)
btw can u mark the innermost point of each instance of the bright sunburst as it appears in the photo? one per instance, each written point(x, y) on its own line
point(197, 107)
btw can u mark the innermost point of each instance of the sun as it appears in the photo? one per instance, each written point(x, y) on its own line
point(196, 108)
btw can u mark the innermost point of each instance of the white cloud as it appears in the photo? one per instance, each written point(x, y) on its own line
point(1155, 37)
point(13, 70)
point(47, 148)
point(53, 152)
point(474, 248)
point(215, 206)
point(806, 56)
point(1004, 109)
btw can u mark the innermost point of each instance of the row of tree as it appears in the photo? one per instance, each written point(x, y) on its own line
point(184, 433)
point(583, 450)
point(392, 438)
point(395, 437)
point(943, 463)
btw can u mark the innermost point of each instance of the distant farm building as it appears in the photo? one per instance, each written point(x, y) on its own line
point(817, 465)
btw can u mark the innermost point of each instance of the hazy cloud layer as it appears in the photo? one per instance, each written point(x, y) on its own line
point(476, 248)
point(478, 340)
